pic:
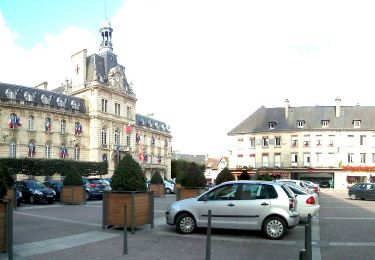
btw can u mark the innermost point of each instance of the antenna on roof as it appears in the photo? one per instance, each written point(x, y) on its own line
point(105, 9)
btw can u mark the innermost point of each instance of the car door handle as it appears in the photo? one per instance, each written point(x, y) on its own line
point(230, 204)
point(264, 204)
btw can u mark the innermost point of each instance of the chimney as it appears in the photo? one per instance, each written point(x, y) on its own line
point(44, 84)
point(337, 100)
point(286, 108)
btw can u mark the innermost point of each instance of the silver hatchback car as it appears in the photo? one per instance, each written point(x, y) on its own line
point(248, 205)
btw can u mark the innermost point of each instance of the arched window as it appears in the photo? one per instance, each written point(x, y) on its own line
point(77, 152)
point(61, 101)
point(29, 96)
point(62, 126)
point(31, 149)
point(13, 149)
point(104, 136)
point(48, 150)
point(31, 123)
point(10, 93)
point(75, 105)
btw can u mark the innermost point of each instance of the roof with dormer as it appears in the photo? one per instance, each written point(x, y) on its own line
point(151, 123)
point(311, 117)
point(56, 100)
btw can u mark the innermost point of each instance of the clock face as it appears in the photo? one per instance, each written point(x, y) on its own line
point(117, 78)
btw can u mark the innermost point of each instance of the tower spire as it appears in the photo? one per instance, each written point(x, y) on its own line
point(106, 33)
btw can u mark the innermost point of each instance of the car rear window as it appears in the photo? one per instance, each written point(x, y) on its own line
point(272, 193)
point(288, 192)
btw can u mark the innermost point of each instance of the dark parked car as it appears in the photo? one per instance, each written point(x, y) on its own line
point(95, 187)
point(56, 186)
point(362, 191)
point(324, 184)
point(34, 191)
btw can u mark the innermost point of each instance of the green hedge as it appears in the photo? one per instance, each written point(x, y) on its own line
point(49, 167)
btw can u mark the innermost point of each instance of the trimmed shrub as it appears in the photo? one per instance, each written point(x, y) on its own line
point(128, 176)
point(224, 175)
point(265, 177)
point(244, 175)
point(193, 177)
point(73, 178)
point(156, 178)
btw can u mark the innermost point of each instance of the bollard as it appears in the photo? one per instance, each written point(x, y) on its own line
point(308, 239)
point(125, 245)
point(10, 229)
point(208, 242)
point(302, 255)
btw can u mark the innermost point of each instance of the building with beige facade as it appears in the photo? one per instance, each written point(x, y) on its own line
point(318, 143)
point(91, 117)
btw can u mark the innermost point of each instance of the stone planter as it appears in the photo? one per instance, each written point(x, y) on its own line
point(6, 226)
point(140, 209)
point(157, 189)
point(73, 195)
point(187, 193)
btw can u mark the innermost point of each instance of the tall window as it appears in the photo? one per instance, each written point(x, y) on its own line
point(63, 126)
point(13, 149)
point(252, 160)
point(104, 105)
point(77, 152)
point(240, 159)
point(363, 158)
point(306, 141)
point(318, 159)
point(48, 124)
point(117, 137)
point(128, 112)
point(128, 140)
point(265, 160)
point(104, 137)
point(350, 140)
point(319, 140)
point(31, 123)
point(362, 140)
point(252, 142)
point(117, 109)
point(306, 159)
point(265, 141)
point(277, 160)
point(331, 140)
point(48, 150)
point(294, 141)
point(278, 141)
point(350, 158)
point(373, 158)
point(294, 159)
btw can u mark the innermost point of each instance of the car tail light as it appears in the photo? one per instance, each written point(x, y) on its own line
point(310, 200)
point(316, 189)
point(92, 185)
point(292, 204)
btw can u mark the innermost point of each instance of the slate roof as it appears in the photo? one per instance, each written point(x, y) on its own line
point(22, 90)
point(191, 158)
point(311, 115)
point(149, 122)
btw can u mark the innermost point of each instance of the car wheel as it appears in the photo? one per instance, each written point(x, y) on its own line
point(50, 201)
point(31, 199)
point(274, 228)
point(168, 190)
point(185, 224)
point(353, 196)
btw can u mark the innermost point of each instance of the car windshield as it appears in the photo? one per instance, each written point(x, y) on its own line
point(35, 185)
point(296, 189)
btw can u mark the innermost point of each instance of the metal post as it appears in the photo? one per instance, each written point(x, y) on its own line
point(308, 241)
point(15, 197)
point(125, 245)
point(9, 208)
point(84, 194)
point(104, 215)
point(151, 196)
point(61, 195)
point(208, 242)
point(133, 212)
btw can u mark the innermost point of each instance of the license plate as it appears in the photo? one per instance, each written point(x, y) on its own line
point(49, 196)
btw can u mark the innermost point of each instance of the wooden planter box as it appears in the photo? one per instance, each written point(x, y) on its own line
point(11, 195)
point(6, 215)
point(140, 209)
point(187, 193)
point(73, 195)
point(157, 189)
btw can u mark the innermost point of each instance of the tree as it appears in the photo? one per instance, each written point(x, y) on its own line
point(73, 178)
point(224, 175)
point(128, 176)
point(193, 176)
point(265, 177)
point(156, 178)
point(177, 167)
point(244, 175)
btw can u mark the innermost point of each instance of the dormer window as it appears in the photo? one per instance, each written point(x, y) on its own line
point(357, 123)
point(61, 102)
point(300, 123)
point(29, 96)
point(271, 125)
point(10, 93)
point(325, 123)
point(75, 105)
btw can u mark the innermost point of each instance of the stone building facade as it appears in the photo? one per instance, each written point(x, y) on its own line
point(91, 117)
point(319, 143)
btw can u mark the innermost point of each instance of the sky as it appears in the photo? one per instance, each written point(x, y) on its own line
point(202, 66)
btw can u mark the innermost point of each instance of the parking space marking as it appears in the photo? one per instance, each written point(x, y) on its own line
point(39, 207)
point(93, 206)
point(57, 219)
point(50, 245)
point(347, 218)
point(343, 244)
